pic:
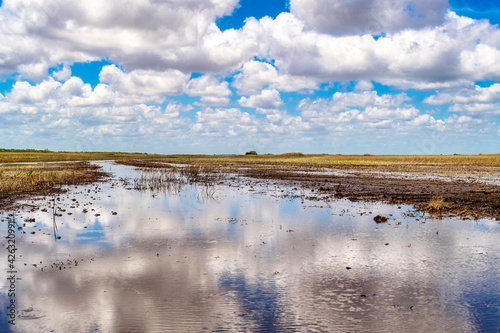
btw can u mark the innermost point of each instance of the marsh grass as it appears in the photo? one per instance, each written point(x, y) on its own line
point(484, 166)
point(161, 177)
point(295, 161)
point(32, 178)
point(437, 204)
point(39, 156)
point(173, 181)
point(327, 159)
point(203, 173)
point(296, 158)
point(207, 191)
point(163, 180)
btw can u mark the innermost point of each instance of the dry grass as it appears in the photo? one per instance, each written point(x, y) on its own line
point(454, 165)
point(15, 179)
point(296, 159)
point(22, 157)
point(326, 159)
point(437, 204)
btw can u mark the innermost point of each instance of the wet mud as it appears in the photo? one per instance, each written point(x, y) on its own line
point(464, 199)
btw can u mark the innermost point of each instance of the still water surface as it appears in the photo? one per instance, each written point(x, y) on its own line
point(254, 257)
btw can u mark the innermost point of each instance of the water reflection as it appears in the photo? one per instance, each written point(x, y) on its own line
point(247, 258)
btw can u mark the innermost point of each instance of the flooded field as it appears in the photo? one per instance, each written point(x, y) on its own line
point(135, 255)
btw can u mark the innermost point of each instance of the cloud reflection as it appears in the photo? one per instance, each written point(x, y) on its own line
point(250, 261)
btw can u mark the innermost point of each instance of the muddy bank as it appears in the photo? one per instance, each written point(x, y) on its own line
point(42, 180)
point(441, 190)
point(459, 198)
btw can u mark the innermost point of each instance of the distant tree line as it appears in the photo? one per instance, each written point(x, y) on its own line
point(4, 150)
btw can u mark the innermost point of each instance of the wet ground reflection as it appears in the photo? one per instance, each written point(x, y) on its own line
point(249, 258)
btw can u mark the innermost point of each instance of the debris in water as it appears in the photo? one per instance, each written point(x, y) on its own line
point(380, 219)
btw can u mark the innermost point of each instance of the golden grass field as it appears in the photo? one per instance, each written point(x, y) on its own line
point(325, 160)
point(465, 166)
point(23, 157)
point(287, 158)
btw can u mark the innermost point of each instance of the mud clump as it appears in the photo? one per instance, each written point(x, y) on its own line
point(380, 219)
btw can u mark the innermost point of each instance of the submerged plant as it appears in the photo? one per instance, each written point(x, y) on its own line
point(54, 224)
point(159, 181)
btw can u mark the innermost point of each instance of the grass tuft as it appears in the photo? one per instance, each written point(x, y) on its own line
point(437, 204)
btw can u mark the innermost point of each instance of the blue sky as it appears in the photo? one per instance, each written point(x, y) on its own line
point(228, 76)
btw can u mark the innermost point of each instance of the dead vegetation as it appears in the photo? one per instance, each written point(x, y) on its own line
point(380, 219)
point(437, 204)
point(19, 180)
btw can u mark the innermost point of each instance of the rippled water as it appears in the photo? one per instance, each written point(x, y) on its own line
point(255, 257)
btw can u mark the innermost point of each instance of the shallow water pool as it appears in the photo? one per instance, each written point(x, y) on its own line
point(247, 257)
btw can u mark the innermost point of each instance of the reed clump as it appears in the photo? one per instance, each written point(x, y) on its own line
point(174, 180)
point(159, 180)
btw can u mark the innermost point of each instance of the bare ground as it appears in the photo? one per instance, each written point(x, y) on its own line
point(460, 198)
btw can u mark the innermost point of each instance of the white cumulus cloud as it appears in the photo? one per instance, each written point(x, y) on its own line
point(478, 100)
point(267, 99)
point(145, 34)
point(369, 16)
point(144, 82)
point(459, 49)
point(256, 75)
point(211, 91)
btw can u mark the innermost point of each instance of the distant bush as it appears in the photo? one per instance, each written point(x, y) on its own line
point(251, 152)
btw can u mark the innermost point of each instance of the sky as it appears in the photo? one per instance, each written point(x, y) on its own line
point(229, 76)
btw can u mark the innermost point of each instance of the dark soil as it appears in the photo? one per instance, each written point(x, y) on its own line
point(465, 199)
